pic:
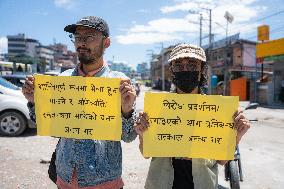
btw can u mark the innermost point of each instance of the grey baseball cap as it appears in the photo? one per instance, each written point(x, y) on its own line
point(92, 22)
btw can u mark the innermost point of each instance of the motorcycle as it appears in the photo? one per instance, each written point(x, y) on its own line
point(233, 168)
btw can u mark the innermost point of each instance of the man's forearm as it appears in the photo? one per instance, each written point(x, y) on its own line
point(127, 115)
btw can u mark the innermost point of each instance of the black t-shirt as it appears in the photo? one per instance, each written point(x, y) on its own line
point(183, 178)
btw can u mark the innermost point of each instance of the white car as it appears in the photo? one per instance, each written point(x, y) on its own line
point(14, 113)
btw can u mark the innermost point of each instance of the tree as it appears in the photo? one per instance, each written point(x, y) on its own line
point(25, 59)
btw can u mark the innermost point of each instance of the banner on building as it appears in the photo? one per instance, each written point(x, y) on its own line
point(78, 107)
point(193, 126)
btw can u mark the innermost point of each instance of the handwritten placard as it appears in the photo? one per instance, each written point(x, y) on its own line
point(78, 107)
point(187, 125)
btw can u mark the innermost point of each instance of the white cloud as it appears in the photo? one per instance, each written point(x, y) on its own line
point(245, 13)
point(183, 6)
point(3, 44)
point(165, 25)
point(248, 2)
point(159, 30)
point(66, 4)
point(146, 38)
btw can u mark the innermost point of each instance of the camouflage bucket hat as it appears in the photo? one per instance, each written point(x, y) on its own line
point(187, 51)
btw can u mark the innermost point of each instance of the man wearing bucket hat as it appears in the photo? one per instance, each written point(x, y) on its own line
point(91, 164)
point(189, 75)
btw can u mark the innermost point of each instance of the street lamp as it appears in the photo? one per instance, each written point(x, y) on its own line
point(230, 19)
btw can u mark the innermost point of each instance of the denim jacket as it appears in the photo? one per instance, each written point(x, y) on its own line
point(96, 161)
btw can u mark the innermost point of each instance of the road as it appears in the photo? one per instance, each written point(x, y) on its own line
point(262, 155)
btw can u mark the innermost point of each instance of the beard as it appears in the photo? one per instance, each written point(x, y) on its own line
point(88, 57)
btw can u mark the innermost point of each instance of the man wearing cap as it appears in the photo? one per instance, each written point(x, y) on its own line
point(189, 71)
point(91, 164)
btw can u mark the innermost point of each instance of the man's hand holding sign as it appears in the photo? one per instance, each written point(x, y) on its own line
point(128, 97)
point(193, 126)
point(80, 107)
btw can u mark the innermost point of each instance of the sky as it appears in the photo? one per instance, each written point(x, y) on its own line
point(139, 28)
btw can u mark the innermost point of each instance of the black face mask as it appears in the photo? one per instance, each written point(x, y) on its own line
point(186, 81)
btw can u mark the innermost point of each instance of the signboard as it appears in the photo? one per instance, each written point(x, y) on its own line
point(78, 107)
point(270, 48)
point(263, 33)
point(193, 126)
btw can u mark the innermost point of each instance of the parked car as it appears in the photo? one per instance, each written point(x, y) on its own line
point(14, 113)
point(17, 80)
point(7, 88)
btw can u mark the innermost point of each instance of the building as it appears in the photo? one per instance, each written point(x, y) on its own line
point(31, 47)
point(16, 45)
point(278, 79)
point(242, 68)
point(60, 51)
point(271, 89)
point(22, 50)
point(46, 57)
point(3, 57)
point(63, 57)
point(143, 70)
point(20, 45)
point(51, 57)
point(156, 72)
point(123, 67)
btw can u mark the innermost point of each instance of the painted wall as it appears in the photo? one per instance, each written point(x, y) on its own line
point(238, 87)
point(249, 55)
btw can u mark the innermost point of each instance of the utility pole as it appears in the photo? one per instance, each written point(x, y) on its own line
point(200, 34)
point(163, 68)
point(226, 64)
point(209, 52)
point(209, 48)
point(210, 41)
point(210, 27)
point(200, 24)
